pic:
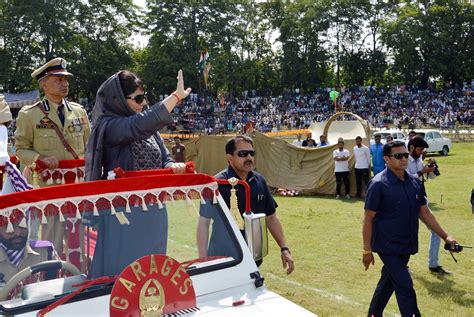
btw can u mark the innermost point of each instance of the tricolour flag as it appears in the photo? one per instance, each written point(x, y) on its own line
point(15, 182)
point(201, 62)
point(207, 67)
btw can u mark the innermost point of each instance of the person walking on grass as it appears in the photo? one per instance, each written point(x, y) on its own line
point(393, 206)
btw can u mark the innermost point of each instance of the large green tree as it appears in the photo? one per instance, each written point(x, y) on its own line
point(233, 33)
point(90, 35)
point(431, 40)
point(268, 46)
point(302, 27)
point(453, 28)
point(31, 33)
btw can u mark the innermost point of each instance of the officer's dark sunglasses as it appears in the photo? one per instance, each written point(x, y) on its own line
point(137, 98)
point(400, 156)
point(245, 153)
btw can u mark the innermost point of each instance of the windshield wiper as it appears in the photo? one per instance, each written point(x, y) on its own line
point(83, 286)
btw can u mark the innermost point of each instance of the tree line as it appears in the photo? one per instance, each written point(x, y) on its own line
point(268, 46)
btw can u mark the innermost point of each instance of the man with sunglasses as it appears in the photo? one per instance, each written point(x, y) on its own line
point(51, 130)
point(394, 203)
point(416, 168)
point(240, 156)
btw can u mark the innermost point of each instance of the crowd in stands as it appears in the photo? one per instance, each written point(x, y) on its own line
point(294, 109)
point(408, 108)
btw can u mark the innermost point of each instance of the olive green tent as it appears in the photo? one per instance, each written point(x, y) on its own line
point(309, 170)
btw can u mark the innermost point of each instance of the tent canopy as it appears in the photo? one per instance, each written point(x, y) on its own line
point(16, 101)
point(284, 165)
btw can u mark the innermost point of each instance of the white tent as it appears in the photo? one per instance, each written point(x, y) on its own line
point(16, 101)
point(335, 128)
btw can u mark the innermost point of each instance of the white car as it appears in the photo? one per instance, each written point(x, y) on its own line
point(396, 135)
point(436, 141)
point(184, 281)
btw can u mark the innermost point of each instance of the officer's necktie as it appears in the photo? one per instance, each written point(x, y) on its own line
point(61, 114)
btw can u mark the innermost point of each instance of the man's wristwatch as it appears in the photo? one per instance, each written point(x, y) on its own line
point(285, 249)
point(365, 252)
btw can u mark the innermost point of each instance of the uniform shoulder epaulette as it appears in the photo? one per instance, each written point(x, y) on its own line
point(26, 108)
point(75, 104)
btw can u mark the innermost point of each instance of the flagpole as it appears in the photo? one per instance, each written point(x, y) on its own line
point(199, 82)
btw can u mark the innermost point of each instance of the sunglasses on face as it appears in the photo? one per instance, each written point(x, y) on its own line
point(400, 156)
point(137, 98)
point(245, 153)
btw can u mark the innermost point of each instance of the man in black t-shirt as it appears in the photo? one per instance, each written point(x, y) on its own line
point(240, 155)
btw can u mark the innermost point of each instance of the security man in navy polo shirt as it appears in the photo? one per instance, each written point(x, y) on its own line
point(393, 205)
point(240, 155)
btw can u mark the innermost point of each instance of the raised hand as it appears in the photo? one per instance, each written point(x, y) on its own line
point(182, 94)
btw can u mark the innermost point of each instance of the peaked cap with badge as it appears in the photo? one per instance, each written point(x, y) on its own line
point(57, 66)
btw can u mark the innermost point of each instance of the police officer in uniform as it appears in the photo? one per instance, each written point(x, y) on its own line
point(37, 138)
point(393, 204)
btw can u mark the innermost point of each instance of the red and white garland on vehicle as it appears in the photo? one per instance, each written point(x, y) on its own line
point(68, 171)
point(113, 197)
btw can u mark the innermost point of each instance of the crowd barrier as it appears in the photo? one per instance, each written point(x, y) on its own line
point(463, 134)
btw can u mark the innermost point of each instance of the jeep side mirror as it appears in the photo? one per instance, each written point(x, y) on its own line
point(257, 235)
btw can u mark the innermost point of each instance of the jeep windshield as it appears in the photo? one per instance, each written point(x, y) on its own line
point(183, 202)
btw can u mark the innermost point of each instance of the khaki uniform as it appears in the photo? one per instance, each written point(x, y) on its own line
point(31, 257)
point(34, 136)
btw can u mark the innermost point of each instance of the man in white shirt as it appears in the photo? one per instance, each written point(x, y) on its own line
point(341, 163)
point(362, 162)
point(298, 141)
point(416, 168)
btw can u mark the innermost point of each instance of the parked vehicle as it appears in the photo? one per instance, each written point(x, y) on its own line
point(177, 283)
point(436, 141)
point(396, 135)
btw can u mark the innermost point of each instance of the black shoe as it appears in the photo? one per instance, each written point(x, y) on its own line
point(440, 270)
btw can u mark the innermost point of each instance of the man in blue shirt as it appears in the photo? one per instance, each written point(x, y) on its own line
point(393, 205)
point(376, 150)
point(322, 141)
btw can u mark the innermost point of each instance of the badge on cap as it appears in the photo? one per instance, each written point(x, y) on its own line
point(55, 66)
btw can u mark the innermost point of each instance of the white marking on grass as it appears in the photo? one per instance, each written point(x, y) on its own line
point(324, 293)
point(321, 292)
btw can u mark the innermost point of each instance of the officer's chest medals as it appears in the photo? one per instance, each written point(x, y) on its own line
point(76, 125)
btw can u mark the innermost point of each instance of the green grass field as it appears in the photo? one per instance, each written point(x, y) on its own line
point(326, 243)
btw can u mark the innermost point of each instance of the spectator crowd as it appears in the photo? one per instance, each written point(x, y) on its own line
point(296, 110)
point(409, 108)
